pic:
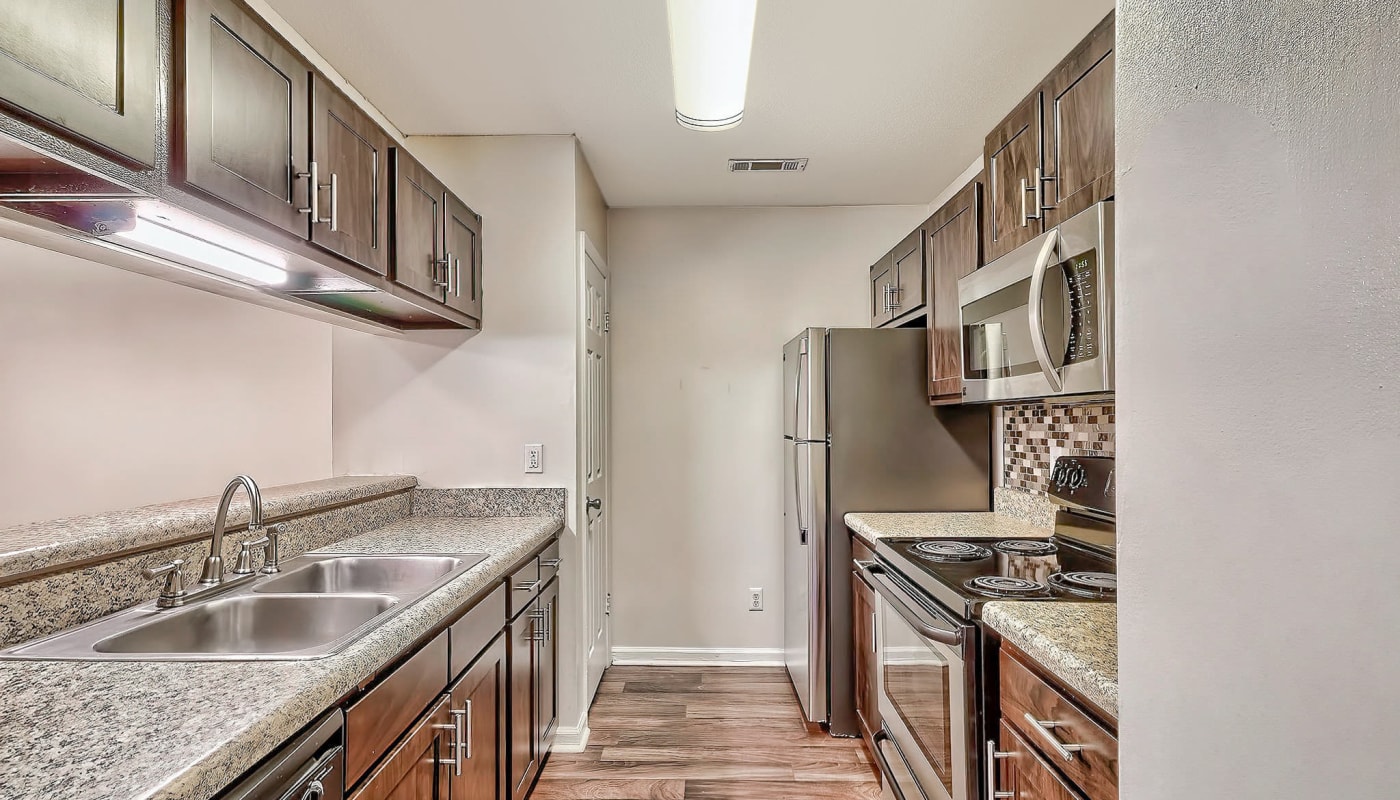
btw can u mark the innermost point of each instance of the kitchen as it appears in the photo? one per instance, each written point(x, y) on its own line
point(515, 423)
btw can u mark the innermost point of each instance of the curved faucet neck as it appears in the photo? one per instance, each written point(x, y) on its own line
point(214, 564)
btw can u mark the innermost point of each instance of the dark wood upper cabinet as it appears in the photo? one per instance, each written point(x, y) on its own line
point(908, 295)
point(242, 128)
point(954, 252)
point(86, 68)
point(1079, 154)
point(462, 242)
point(1012, 163)
point(418, 213)
point(479, 696)
point(882, 285)
point(350, 154)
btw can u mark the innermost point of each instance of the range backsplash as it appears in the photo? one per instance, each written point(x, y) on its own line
point(1034, 433)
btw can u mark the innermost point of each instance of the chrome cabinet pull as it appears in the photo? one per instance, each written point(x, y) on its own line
point(440, 268)
point(335, 204)
point(874, 633)
point(455, 745)
point(992, 755)
point(555, 562)
point(528, 586)
point(894, 298)
point(313, 192)
point(1035, 191)
point(466, 717)
point(1040, 190)
point(1044, 728)
point(461, 733)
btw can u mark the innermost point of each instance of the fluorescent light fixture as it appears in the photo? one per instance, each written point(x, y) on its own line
point(267, 268)
point(711, 41)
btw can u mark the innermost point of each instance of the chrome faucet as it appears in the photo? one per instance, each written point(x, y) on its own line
point(213, 574)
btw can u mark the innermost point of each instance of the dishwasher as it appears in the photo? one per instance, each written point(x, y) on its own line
point(309, 767)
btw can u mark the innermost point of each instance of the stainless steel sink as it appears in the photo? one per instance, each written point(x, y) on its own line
point(257, 624)
point(386, 574)
point(318, 606)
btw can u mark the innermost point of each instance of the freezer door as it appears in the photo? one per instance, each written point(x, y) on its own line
point(804, 574)
point(804, 386)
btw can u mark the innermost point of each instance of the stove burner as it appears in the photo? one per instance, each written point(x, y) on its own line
point(951, 551)
point(1026, 547)
point(1086, 584)
point(1002, 586)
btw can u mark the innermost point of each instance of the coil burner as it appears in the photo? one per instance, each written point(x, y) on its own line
point(951, 551)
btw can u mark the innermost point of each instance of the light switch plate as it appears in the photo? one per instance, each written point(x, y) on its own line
point(534, 458)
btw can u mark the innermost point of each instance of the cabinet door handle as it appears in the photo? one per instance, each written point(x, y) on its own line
point(455, 745)
point(440, 267)
point(992, 755)
point(1040, 190)
point(335, 204)
point(551, 562)
point(1026, 188)
point(528, 586)
point(894, 297)
point(1043, 727)
point(313, 192)
point(463, 717)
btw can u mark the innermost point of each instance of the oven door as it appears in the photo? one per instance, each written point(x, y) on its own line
point(924, 703)
point(1038, 321)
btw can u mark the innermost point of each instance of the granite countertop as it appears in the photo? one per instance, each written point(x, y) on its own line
point(45, 545)
point(103, 729)
point(1075, 642)
point(958, 524)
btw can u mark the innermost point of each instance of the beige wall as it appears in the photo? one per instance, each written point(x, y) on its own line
point(589, 205)
point(119, 390)
point(1258, 337)
point(703, 300)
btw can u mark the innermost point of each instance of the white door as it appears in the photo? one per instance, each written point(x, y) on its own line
point(594, 379)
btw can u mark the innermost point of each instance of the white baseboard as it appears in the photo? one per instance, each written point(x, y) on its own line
point(697, 656)
point(571, 738)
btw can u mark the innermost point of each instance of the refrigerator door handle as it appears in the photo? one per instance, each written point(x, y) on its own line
point(797, 490)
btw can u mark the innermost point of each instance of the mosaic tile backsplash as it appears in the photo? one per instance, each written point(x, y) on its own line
point(1034, 433)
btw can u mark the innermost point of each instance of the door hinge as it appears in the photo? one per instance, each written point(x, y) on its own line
point(607, 322)
point(607, 604)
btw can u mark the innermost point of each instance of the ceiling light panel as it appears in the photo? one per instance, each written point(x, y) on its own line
point(711, 41)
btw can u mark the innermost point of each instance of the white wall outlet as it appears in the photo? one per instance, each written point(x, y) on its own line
point(755, 599)
point(534, 458)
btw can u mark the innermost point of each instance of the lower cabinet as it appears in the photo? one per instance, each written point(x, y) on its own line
point(867, 661)
point(1022, 772)
point(478, 704)
point(417, 768)
point(534, 694)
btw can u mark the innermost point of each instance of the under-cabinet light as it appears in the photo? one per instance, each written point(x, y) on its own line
point(224, 258)
point(711, 41)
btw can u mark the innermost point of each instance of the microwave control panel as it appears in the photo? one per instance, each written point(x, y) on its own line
point(1081, 277)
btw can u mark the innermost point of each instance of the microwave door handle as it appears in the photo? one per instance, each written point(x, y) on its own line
point(1037, 299)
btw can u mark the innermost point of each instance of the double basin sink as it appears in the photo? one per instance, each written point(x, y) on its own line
point(317, 606)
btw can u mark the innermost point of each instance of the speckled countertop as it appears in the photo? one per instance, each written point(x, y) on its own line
point(1075, 642)
point(48, 544)
point(86, 730)
point(978, 524)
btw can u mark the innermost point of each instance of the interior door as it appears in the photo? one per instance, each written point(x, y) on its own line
point(87, 67)
point(597, 549)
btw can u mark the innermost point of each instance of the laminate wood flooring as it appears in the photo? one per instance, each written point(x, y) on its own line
point(705, 733)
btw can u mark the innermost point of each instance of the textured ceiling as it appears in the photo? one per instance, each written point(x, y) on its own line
point(889, 98)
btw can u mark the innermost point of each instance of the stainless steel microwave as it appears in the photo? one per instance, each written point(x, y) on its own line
point(1038, 322)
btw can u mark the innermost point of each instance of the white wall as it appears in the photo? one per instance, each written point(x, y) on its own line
point(1259, 333)
point(703, 300)
point(119, 390)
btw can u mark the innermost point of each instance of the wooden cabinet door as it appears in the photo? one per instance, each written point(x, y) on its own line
point(881, 288)
point(351, 154)
point(1025, 775)
point(867, 666)
point(547, 670)
point(463, 252)
point(954, 252)
point(908, 294)
point(418, 214)
point(1011, 155)
point(1079, 127)
point(86, 68)
point(243, 97)
point(479, 698)
point(416, 768)
point(524, 758)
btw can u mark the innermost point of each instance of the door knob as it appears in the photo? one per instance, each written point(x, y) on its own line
point(595, 504)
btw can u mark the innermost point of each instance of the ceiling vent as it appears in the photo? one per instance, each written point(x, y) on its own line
point(767, 164)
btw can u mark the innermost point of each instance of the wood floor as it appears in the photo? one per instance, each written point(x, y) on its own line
point(705, 733)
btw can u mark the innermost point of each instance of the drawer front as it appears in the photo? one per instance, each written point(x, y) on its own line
point(1093, 767)
point(1022, 772)
point(549, 563)
point(374, 722)
point(524, 585)
point(859, 550)
point(474, 631)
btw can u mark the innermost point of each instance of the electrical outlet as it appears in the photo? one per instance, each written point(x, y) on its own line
point(755, 599)
point(534, 458)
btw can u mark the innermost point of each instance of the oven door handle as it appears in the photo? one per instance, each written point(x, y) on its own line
point(883, 735)
point(921, 621)
point(1037, 299)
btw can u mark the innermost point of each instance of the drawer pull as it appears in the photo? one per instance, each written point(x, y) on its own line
point(1045, 729)
point(551, 563)
point(528, 586)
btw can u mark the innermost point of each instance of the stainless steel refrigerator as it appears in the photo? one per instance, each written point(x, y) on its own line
point(859, 435)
